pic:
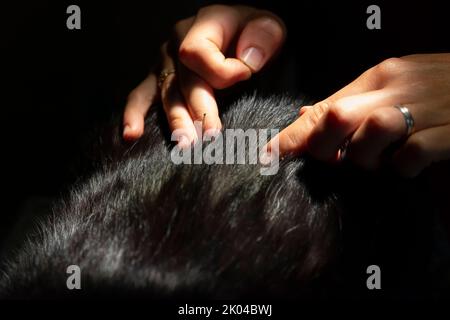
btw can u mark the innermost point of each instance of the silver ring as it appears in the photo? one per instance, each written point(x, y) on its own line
point(409, 121)
point(163, 76)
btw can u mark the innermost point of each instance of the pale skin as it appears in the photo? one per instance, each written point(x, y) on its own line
point(361, 113)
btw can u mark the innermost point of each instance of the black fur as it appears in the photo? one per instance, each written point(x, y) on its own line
point(142, 226)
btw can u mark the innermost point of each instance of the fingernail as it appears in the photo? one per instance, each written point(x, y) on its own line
point(265, 158)
point(265, 155)
point(304, 109)
point(127, 132)
point(211, 123)
point(253, 58)
point(183, 142)
point(211, 134)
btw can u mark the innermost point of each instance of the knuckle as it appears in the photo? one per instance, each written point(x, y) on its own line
point(316, 113)
point(217, 75)
point(391, 66)
point(379, 121)
point(269, 25)
point(337, 115)
point(281, 26)
point(188, 50)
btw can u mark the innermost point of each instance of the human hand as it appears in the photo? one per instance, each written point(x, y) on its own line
point(215, 49)
point(362, 114)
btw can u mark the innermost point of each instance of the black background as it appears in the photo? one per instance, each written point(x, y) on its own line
point(57, 83)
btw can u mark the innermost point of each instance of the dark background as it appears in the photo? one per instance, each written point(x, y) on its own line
point(57, 84)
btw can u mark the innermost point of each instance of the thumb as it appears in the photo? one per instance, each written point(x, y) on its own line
point(260, 40)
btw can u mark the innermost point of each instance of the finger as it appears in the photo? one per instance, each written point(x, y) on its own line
point(204, 45)
point(293, 139)
point(138, 104)
point(199, 97)
point(381, 128)
point(431, 57)
point(331, 125)
point(179, 119)
point(421, 149)
point(304, 109)
point(178, 116)
point(261, 38)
